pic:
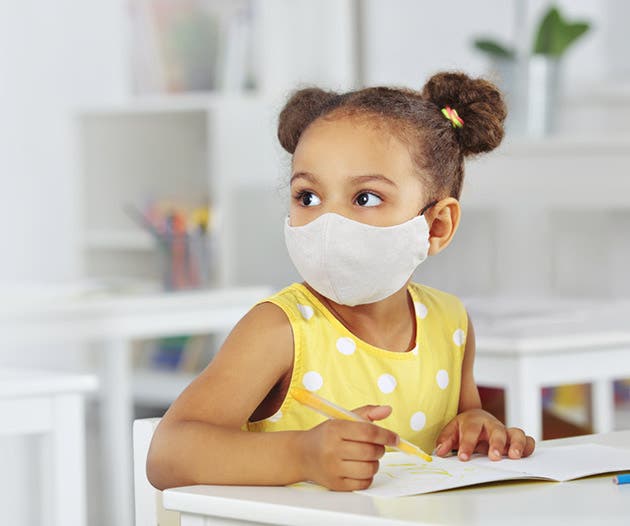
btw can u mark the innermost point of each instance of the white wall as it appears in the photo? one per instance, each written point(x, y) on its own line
point(408, 40)
point(56, 57)
point(53, 57)
point(305, 42)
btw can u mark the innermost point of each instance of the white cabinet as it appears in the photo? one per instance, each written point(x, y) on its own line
point(184, 149)
point(190, 150)
point(206, 147)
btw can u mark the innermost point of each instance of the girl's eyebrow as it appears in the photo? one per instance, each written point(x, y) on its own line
point(356, 179)
point(361, 179)
point(303, 175)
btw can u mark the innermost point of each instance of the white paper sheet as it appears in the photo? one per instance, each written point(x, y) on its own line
point(402, 474)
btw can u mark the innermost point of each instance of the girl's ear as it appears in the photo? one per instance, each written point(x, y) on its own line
point(443, 220)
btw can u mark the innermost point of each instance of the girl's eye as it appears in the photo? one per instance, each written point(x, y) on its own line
point(308, 199)
point(368, 199)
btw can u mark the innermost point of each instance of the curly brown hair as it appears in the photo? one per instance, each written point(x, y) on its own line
point(415, 117)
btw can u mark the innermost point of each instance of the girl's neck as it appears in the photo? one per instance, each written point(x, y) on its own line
point(388, 324)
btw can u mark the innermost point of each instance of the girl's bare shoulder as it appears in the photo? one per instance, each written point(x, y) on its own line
point(264, 333)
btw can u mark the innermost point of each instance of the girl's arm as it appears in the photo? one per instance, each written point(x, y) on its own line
point(199, 438)
point(200, 441)
point(475, 430)
point(469, 394)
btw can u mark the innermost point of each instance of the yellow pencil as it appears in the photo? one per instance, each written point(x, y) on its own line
point(326, 408)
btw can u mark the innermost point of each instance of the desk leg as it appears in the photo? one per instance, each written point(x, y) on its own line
point(523, 408)
point(64, 450)
point(603, 406)
point(117, 416)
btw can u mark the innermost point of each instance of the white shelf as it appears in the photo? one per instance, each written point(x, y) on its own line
point(184, 102)
point(113, 239)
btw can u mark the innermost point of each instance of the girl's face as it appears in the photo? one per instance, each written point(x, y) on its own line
point(351, 167)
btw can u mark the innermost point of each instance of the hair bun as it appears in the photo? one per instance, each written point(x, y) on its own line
point(477, 101)
point(301, 109)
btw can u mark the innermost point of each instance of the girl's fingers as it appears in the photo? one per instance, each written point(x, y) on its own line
point(448, 439)
point(350, 450)
point(517, 442)
point(468, 439)
point(363, 432)
point(497, 441)
point(354, 469)
point(530, 445)
point(348, 484)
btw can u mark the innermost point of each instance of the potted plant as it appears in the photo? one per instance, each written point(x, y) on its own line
point(555, 35)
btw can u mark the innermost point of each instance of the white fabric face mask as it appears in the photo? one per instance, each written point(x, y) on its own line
point(352, 263)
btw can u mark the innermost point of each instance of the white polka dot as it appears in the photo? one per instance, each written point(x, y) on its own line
point(415, 350)
point(386, 383)
point(418, 420)
point(275, 417)
point(346, 345)
point(459, 337)
point(306, 311)
point(421, 310)
point(442, 379)
point(312, 380)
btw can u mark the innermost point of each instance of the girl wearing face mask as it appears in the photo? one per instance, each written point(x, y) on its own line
point(375, 182)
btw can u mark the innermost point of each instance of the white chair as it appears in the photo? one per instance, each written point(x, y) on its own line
point(51, 404)
point(148, 500)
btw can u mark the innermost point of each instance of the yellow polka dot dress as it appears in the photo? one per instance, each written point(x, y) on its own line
point(422, 385)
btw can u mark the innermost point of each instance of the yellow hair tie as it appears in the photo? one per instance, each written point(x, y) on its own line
point(452, 116)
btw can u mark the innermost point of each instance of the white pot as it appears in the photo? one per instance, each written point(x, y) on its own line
point(542, 96)
point(509, 76)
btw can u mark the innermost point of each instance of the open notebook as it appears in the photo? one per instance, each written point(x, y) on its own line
point(401, 474)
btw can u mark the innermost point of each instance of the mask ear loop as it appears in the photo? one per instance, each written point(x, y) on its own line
point(432, 203)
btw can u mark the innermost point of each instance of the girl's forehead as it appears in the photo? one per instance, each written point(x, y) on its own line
point(350, 145)
point(361, 127)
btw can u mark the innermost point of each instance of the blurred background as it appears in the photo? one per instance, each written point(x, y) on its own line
point(138, 157)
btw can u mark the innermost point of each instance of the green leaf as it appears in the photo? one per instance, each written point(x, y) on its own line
point(494, 48)
point(549, 26)
point(571, 33)
point(555, 34)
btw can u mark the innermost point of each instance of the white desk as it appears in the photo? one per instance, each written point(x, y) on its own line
point(114, 322)
point(51, 405)
point(592, 501)
point(523, 347)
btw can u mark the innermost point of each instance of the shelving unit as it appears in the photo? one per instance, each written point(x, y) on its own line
point(206, 148)
point(185, 149)
point(203, 147)
point(190, 150)
point(112, 239)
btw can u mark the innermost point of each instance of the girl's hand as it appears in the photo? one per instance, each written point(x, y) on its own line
point(476, 431)
point(343, 455)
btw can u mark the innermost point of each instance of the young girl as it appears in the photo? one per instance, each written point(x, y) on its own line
point(376, 178)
